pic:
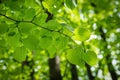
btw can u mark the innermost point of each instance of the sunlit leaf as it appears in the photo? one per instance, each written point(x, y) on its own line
point(29, 14)
point(52, 24)
point(90, 57)
point(26, 28)
point(31, 42)
point(13, 41)
point(40, 19)
point(61, 42)
point(52, 50)
point(81, 34)
point(20, 54)
point(75, 56)
point(45, 42)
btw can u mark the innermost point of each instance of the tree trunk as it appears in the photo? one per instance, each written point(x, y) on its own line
point(90, 76)
point(74, 72)
point(111, 68)
point(54, 69)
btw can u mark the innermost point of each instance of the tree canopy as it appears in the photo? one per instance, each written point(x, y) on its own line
point(72, 39)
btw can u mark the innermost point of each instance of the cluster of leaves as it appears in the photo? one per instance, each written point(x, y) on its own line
point(24, 29)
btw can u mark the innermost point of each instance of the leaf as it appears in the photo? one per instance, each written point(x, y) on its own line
point(61, 42)
point(26, 28)
point(81, 34)
point(90, 57)
point(3, 28)
point(52, 50)
point(70, 4)
point(29, 14)
point(40, 19)
point(20, 54)
point(52, 24)
point(31, 42)
point(2, 42)
point(45, 42)
point(48, 4)
point(13, 41)
point(75, 56)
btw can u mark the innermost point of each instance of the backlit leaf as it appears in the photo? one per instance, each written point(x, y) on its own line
point(20, 54)
point(81, 34)
point(90, 57)
point(40, 19)
point(31, 42)
point(75, 56)
point(26, 28)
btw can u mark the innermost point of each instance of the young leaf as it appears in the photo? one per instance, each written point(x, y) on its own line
point(40, 19)
point(61, 42)
point(13, 41)
point(31, 42)
point(81, 34)
point(29, 14)
point(45, 42)
point(52, 24)
point(90, 57)
point(20, 54)
point(52, 50)
point(75, 56)
point(26, 28)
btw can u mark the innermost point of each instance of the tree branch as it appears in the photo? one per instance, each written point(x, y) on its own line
point(51, 30)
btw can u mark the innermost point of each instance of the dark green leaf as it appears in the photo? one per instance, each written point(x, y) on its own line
point(3, 28)
point(70, 4)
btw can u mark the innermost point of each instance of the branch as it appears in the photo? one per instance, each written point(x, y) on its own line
point(13, 19)
point(39, 26)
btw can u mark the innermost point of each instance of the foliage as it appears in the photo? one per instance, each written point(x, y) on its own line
point(80, 31)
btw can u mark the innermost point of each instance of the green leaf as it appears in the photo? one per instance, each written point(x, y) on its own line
point(61, 42)
point(26, 28)
point(2, 42)
point(20, 54)
point(70, 4)
point(52, 50)
point(90, 57)
point(31, 42)
point(48, 4)
point(40, 19)
point(52, 24)
point(45, 42)
point(3, 28)
point(13, 41)
point(81, 34)
point(29, 14)
point(75, 56)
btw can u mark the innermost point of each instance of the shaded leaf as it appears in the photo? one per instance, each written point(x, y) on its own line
point(3, 28)
point(70, 4)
